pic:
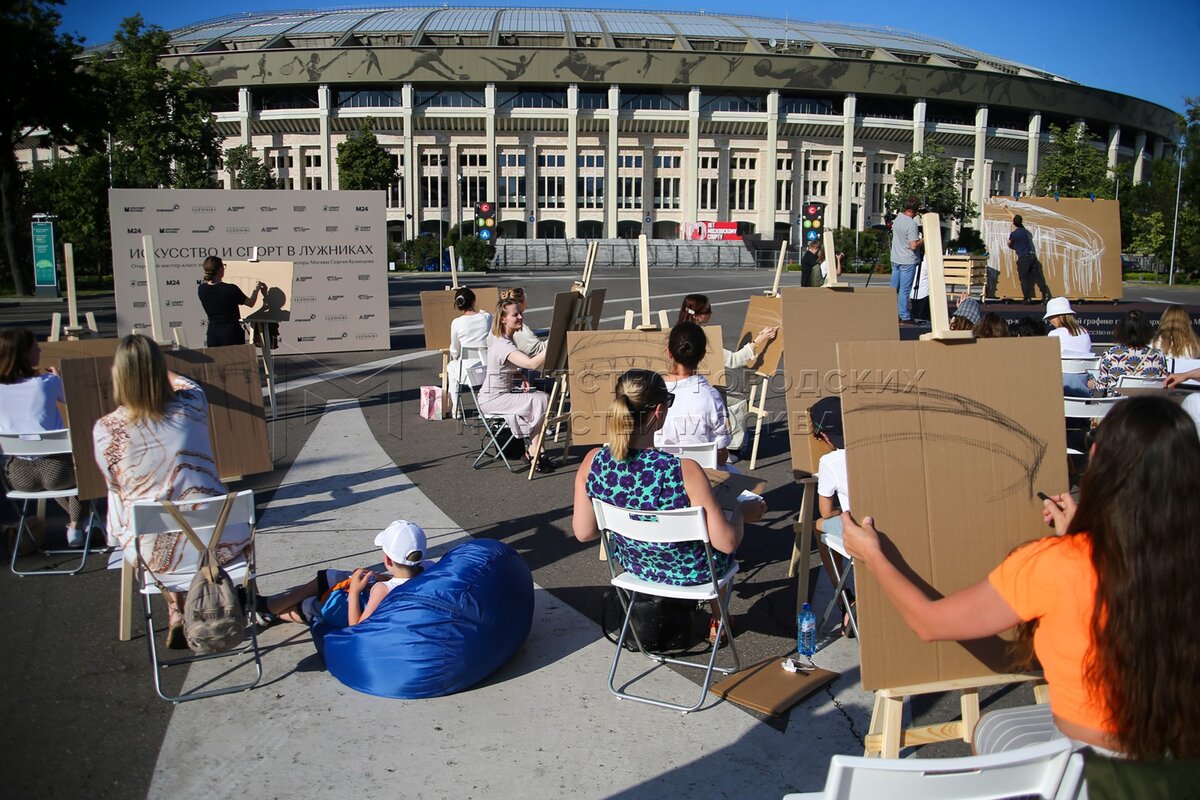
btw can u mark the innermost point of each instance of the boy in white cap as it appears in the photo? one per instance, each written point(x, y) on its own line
point(403, 546)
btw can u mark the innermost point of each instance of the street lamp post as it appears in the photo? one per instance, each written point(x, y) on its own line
point(1175, 226)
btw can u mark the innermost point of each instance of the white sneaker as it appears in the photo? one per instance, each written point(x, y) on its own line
point(74, 537)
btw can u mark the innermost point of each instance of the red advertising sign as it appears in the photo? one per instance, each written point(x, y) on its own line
point(710, 232)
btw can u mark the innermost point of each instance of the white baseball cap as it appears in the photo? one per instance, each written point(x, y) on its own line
point(403, 542)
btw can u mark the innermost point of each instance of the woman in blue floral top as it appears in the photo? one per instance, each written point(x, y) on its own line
point(1132, 355)
point(631, 473)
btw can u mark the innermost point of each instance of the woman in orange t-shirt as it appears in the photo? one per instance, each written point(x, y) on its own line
point(1115, 599)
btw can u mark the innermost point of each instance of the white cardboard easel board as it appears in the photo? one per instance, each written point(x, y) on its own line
point(814, 321)
point(275, 305)
point(598, 358)
point(947, 446)
point(438, 311)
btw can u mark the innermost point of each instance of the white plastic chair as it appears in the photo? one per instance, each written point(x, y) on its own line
point(676, 526)
point(468, 368)
point(1035, 771)
point(1089, 407)
point(1138, 382)
point(1076, 365)
point(151, 518)
point(38, 445)
point(703, 453)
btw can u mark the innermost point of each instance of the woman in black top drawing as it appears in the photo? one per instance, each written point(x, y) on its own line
point(221, 301)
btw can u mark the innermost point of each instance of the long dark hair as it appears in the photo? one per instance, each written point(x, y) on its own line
point(694, 305)
point(1133, 330)
point(15, 344)
point(687, 345)
point(1139, 506)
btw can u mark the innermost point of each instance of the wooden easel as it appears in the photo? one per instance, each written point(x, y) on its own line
point(644, 272)
point(831, 277)
point(444, 374)
point(73, 330)
point(886, 736)
point(581, 320)
point(263, 329)
point(938, 309)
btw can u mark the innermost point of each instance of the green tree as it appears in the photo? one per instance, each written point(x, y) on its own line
point(1149, 235)
point(1073, 166)
point(163, 131)
point(75, 190)
point(932, 179)
point(41, 89)
point(475, 253)
point(248, 170)
point(363, 163)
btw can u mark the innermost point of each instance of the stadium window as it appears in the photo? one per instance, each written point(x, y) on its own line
point(593, 100)
point(449, 99)
point(653, 101)
point(368, 98)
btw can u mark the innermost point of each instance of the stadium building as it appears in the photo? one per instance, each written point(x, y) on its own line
point(607, 124)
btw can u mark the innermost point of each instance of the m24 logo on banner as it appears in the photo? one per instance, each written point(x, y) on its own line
point(710, 232)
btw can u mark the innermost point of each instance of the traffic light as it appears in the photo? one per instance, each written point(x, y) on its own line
point(485, 221)
point(813, 223)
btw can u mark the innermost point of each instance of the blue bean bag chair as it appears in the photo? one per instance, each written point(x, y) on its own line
point(441, 632)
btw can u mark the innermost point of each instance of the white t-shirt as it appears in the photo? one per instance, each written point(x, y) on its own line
point(1191, 404)
point(831, 477)
point(697, 415)
point(1069, 345)
point(29, 406)
point(469, 330)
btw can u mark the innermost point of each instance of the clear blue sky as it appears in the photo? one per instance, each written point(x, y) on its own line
point(1149, 51)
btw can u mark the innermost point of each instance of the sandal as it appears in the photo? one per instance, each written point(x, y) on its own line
point(545, 464)
point(712, 633)
point(175, 638)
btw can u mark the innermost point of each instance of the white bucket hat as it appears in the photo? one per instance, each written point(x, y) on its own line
point(1057, 307)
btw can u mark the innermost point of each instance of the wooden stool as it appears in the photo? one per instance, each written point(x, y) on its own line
point(885, 738)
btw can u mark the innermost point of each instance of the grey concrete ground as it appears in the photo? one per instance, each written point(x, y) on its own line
point(351, 454)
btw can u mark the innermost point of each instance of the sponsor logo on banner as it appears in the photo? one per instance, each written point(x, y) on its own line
point(236, 208)
point(270, 229)
point(362, 228)
point(364, 277)
point(139, 303)
point(306, 338)
point(309, 318)
point(331, 228)
point(168, 230)
point(299, 299)
point(267, 209)
point(172, 283)
point(168, 210)
point(335, 297)
point(331, 209)
point(362, 208)
point(303, 278)
point(366, 316)
point(333, 277)
point(366, 297)
point(134, 209)
point(209, 229)
point(141, 326)
point(174, 303)
point(300, 229)
point(137, 283)
point(204, 209)
point(710, 232)
point(234, 229)
point(299, 209)
point(335, 317)
point(133, 230)
point(337, 338)
point(366, 336)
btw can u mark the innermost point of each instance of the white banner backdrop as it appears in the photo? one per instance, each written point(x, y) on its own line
point(336, 240)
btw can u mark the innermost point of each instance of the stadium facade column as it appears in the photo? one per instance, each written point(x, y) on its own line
point(492, 156)
point(572, 181)
point(1114, 148)
point(849, 119)
point(919, 125)
point(868, 159)
point(610, 163)
point(245, 110)
point(412, 219)
point(1032, 152)
point(979, 167)
point(323, 105)
point(833, 202)
point(1158, 148)
point(768, 169)
point(532, 173)
point(454, 184)
point(691, 159)
point(1139, 158)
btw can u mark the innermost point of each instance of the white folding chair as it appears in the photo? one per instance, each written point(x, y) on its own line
point(676, 526)
point(1075, 365)
point(1088, 407)
point(490, 447)
point(468, 369)
point(38, 445)
point(1138, 382)
point(151, 518)
point(1030, 772)
point(703, 453)
point(835, 543)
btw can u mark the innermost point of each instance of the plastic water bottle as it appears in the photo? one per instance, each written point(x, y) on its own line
point(806, 631)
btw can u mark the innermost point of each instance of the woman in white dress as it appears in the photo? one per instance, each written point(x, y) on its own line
point(155, 446)
point(469, 330)
point(505, 391)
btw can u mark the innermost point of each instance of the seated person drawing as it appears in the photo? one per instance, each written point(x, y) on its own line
point(522, 407)
point(1132, 355)
point(833, 493)
point(697, 415)
point(631, 473)
point(1114, 600)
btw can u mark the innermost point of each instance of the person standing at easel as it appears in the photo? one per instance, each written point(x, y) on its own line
point(221, 301)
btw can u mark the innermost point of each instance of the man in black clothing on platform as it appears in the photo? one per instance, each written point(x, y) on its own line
point(1029, 269)
point(810, 258)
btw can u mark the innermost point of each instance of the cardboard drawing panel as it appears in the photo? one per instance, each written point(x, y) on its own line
point(946, 447)
point(438, 311)
point(814, 321)
point(54, 353)
point(569, 308)
point(236, 423)
point(276, 304)
point(598, 358)
point(1077, 240)
point(763, 312)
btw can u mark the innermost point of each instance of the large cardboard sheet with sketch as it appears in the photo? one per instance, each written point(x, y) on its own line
point(1078, 241)
point(814, 321)
point(598, 358)
point(231, 382)
point(763, 312)
point(438, 311)
point(947, 446)
point(336, 241)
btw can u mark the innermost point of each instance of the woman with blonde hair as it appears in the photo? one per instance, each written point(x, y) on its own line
point(1073, 340)
point(631, 473)
point(506, 392)
point(1176, 337)
point(525, 339)
point(155, 446)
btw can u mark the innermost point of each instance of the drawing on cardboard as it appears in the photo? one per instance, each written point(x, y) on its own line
point(1076, 240)
point(1010, 439)
point(763, 312)
point(438, 311)
point(275, 305)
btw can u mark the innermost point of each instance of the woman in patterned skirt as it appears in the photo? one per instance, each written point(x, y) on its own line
point(155, 446)
point(631, 473)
